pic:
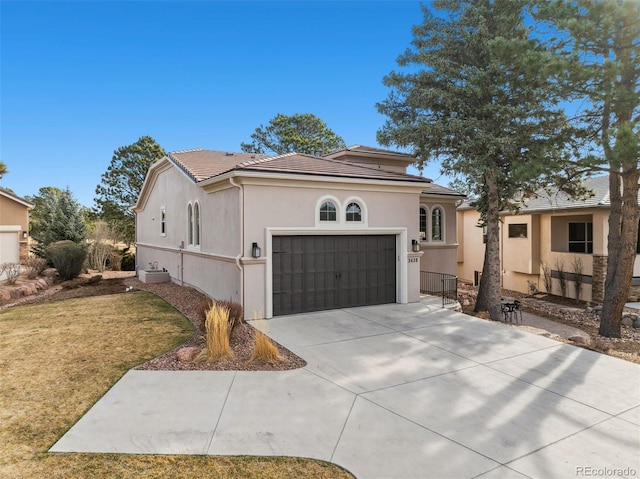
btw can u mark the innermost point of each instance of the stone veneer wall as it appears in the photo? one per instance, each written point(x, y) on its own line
point(24, 250)
point(599, 274)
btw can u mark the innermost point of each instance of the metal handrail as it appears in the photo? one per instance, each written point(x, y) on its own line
point(440, 284)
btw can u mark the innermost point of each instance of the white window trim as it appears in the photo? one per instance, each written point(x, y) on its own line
point(316, 212)
point(364, 222)
point(427, 223)
point(191, 227)
point(443, 222)
point(189, 224)
point(197, 225)
point(163, 221)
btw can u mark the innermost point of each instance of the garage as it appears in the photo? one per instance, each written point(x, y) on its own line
point(318, 272)
point(9, 247)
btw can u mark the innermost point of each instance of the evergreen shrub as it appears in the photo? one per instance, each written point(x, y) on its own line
point(67, 257)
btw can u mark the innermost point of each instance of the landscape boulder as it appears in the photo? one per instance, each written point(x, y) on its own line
point(187, 354)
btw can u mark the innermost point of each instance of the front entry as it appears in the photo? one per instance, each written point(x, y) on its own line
point(313, 273)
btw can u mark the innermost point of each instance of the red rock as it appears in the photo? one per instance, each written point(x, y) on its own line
point(580, 340)
point(188, 354)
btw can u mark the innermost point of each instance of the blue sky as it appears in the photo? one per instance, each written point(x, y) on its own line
point(80, 79)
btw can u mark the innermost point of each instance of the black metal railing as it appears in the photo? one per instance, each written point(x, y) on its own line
point(440, 284)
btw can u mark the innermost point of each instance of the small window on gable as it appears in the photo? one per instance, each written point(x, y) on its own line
point(196, 224)
point(436, 224)
point(328, 211)
point(518, 230)
point(354, 212)
point(163, 222)
point(190, 223)
point(423, 224)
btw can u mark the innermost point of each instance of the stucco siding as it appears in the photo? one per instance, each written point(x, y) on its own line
point(294, 209)
point(14, 220)
point(472, 246)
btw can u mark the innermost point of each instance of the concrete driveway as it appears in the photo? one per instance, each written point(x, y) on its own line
point(392, 391)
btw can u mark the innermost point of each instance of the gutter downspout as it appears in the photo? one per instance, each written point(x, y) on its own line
point(239, 256)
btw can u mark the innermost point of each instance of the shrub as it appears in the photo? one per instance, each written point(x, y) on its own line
point(577, 276)
point(128, 260)
point(11, 270)
point(264, 350)
point(101, 245)
point(35, 267)
point(562, 277)
point(67, 257)
point(236, 313)
point(548, 283)
point(115, 261)
point(217, 335)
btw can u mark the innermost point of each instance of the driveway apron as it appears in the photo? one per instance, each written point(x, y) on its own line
point(391, 391)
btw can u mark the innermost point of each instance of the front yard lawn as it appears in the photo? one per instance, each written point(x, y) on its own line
point(58, 358)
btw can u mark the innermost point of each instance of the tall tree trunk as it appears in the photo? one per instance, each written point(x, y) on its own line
point(622, 244)
point(489, 292)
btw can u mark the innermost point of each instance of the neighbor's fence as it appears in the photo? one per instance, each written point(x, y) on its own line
point(440, 284)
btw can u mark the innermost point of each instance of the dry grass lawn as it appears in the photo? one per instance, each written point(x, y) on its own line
point(58, 358)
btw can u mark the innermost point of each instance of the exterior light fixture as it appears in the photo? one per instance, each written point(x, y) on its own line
point(255, 250)
point(24, 235)
point(415, 246)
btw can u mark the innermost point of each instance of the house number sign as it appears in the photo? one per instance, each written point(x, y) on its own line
point(414, 260)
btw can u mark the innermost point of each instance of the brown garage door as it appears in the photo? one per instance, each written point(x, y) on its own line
point(312, 273)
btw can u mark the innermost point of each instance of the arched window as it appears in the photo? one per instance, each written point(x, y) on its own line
point(196, 225)
point(436, 224)
point(423, 224)
point(190, 225)
point(354, 212)
point(328, 211)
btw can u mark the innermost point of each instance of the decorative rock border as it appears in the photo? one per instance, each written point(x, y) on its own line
point(26, 287)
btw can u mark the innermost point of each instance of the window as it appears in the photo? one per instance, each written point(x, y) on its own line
point(190, 223)
point(518, 230)
point(354, 212)
point(423, 224)
point(581, 237)
point(328, 211)
point(163, 222)
point(196, 224)
point(436, 224)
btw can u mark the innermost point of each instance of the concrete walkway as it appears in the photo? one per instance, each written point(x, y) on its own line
point(393, 391)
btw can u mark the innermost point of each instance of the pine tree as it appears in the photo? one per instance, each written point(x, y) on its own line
point(121, 184)
point(475, 95)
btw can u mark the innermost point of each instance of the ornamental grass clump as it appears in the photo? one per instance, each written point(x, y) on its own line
point(264, 350)
point(236, 313)
point(218, 347)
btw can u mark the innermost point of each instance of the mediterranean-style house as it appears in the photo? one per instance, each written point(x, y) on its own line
point(14, 227)
point(565, 236)
point(294, 233)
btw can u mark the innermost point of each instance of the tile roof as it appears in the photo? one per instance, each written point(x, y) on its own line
point(558, 200)
point(205, 164)
point(434, 189)
point(202, 164)
point(371, 149)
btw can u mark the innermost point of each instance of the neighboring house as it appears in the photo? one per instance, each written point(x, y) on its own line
point(294, 233)
point(14, 227)
point(551, 231)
